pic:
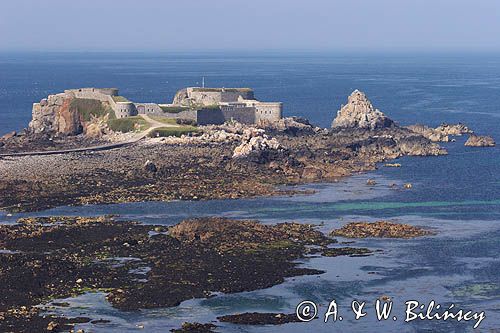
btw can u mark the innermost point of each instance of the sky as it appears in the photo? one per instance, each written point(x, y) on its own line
point(211, 25)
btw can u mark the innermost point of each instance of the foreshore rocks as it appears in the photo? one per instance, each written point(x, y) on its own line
point(195, 328)
point(58, 257)
point(480, 141)
point(259, 318)
point(50, 258)
point(380, 229)
point(360, 113)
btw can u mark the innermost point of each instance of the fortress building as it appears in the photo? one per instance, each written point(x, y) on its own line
point(202, 105)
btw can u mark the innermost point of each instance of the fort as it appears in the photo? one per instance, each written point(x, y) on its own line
point(198, 104)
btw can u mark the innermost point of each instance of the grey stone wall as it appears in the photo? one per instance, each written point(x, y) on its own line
point(101, 94)
point(148, 108)
point(124, 109)
point(242, 114)
point(210, 116)
point(268, 111)
point(210, 96)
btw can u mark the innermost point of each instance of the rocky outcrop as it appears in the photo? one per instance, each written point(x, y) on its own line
point(454, 130)
point(360, 113)
point(442, 132)
point(63, 114)
point(56, 115)
point(380, 229)
point(429, 133)
point(480, 141)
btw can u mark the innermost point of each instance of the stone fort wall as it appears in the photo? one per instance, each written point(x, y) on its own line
point(268, 111)
point(210, 96)
point(241, 105)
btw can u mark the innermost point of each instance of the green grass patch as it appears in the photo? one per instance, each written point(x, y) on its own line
point(173, 109)
point(119, 99)
point(128, 124)
point(91, 107)
point(172, 131)
point(165, 120)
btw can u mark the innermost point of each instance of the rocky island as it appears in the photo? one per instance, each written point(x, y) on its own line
point(79, 156)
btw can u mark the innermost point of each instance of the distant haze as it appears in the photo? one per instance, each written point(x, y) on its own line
point(166, 25)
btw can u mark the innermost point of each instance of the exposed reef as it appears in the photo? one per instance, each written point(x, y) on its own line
point(195, 328)
point(381, 229)
point(56, 257)
point(259, 318)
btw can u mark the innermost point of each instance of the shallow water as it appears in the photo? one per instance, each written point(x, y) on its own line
point(458, 195)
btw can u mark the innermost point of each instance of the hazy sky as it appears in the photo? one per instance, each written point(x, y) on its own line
point(179, 25)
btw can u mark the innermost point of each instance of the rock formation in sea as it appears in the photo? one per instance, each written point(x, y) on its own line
point(480, 141)
point(442, 132)
point(360, 113)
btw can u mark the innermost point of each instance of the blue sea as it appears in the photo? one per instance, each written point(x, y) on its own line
point(458, 195)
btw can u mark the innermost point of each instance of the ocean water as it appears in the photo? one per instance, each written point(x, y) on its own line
point(458, 195)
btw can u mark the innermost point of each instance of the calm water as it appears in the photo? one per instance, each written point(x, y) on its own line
point(458, 194)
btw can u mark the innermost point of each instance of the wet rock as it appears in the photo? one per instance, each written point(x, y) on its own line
point(392, 165)
point(381, 229)
point(52, 326)
point(371, 182)
point(480, 141)
point(346, 251)
point(259, 318)
point(195, 328)
point(360, 113)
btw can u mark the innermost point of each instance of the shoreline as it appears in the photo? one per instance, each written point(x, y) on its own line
point(193, 168)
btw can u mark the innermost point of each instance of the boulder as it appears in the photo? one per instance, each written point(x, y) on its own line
point(480, 141)
point(256, 145)
point(360, 113)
